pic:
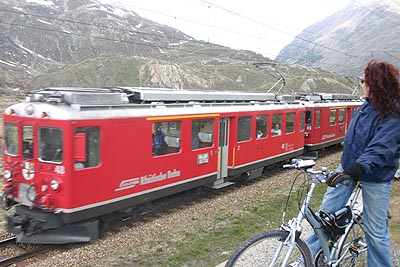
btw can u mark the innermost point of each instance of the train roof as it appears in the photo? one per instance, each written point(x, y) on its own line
point(67, 103)
point(140, 95)
point(73, 112)
point(146, 95)
point(119, 102)
point(326, 97)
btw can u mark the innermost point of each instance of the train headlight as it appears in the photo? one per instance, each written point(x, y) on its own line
point(54, 184)
point(29, 109)
point(7, 174)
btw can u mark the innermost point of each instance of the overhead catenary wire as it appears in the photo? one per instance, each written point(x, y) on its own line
point(130, 30)
point(273, 28)
point(208, 4)
point(379, 11)
point(166, 36)
point(189, 51)
point(103, 26)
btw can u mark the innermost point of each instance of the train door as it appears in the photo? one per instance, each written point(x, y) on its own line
point(223, 150)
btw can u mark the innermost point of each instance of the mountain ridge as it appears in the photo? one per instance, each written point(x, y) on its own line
point(87, 43)
point(348, 39)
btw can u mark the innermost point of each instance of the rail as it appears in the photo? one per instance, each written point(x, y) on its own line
point(21, 253)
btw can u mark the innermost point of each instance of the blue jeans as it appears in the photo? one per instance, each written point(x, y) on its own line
point(375, 206)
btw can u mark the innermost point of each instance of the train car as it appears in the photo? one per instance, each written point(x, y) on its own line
point(327, 118)
point(74, 156)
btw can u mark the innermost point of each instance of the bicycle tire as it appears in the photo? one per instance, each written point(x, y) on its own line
point(259, 249)
point(356, 257)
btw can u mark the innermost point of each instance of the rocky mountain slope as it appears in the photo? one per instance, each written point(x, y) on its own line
point(347, 40)
point(86, 43)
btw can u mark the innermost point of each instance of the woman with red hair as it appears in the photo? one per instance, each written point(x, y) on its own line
point(370, 156)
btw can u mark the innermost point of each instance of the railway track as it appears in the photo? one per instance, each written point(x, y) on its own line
point(12, 252)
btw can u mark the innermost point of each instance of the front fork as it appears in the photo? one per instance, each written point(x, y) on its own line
point(294, 229)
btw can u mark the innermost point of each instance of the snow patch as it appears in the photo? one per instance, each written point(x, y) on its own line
point(26, 49)
point(39, 55)
point(45, 22)
point(18, 8)
point(41, 2)
point(33, 53)
point(178, 44)
point(146, 41)
point(113, 10)
point(8, 63)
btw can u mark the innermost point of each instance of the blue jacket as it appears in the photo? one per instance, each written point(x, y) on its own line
point(373, 144)
point(158, 141)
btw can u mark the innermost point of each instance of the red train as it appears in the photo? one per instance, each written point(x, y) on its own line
point(327, 118)
point(73, 157)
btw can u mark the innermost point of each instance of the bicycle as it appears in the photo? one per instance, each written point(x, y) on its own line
point(342, 235)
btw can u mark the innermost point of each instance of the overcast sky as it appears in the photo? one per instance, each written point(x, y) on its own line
point(263, 26)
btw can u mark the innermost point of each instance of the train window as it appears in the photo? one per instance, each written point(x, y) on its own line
point(27, 141)
point(202, 133)
point(332, 118)
point(92, 147)
point(261, 126)
point(317, 118)
point(11, 138)
point(302, 121)
point(166, 137)
point(308, 117)
point(290, 122)
point(244, 128)
point(51, 144)
point(276, 124)
point(341, 115)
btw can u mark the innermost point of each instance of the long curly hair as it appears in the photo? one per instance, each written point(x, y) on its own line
point(382, 78)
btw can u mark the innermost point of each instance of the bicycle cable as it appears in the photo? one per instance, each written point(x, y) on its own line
point(290, 193)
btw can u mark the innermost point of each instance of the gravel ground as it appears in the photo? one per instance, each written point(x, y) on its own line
point(148, 236)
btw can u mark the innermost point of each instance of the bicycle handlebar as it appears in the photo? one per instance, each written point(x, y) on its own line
point(321, 175)
point(300, 164)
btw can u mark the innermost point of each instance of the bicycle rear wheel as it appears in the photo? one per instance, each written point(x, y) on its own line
point(354, 247)
point(260, 250)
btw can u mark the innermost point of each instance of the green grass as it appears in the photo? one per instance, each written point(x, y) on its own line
point(208, 247)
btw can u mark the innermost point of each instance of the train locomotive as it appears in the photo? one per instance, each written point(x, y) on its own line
point(73, 156)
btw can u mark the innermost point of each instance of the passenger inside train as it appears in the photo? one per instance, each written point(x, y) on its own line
point(159, 144)
point(260, 134)
point(276, 130)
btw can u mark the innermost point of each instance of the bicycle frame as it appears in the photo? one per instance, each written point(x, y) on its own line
point(330, 250)
point(356, 220)
point(294, 226)
point(332, 254)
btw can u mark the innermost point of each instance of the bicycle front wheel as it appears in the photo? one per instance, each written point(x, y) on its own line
point(269, 249)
